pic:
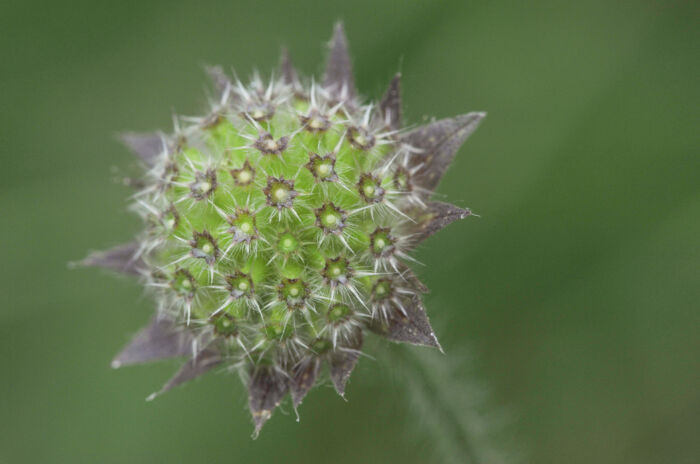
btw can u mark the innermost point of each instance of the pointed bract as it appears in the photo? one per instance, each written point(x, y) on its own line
point(287, 71)
point(412, 326)
point(147, 146)
point(436, 216)
point(221, 81)
point(390, 106)
point(439, 142)
point(161, 339)
point(124, 258)
point(205, 361)
point(302, 379)
point(338, 75)
point(342, 361)
point(266, 389)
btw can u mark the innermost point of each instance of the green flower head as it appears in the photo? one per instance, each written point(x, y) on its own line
point(278, 229)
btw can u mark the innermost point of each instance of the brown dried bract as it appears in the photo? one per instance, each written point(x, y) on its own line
point(439, 142)
point(161, 339)
point(342, 361)
point(124, 258)
point(266, 389)
point(338, 76)
point(406, 323)
point(435, 217)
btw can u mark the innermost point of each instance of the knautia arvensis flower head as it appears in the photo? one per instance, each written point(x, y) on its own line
point(279, 226)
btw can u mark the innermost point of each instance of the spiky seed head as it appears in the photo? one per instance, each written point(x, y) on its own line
point(278, 228)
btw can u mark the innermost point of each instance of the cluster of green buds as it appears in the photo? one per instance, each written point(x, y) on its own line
point(278, 228)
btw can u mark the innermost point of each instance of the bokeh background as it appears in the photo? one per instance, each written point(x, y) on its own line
point(576, 291)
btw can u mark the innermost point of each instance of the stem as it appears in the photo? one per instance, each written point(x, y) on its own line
point(449, 405)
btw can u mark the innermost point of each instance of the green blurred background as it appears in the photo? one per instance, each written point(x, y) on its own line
point(577, 289)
